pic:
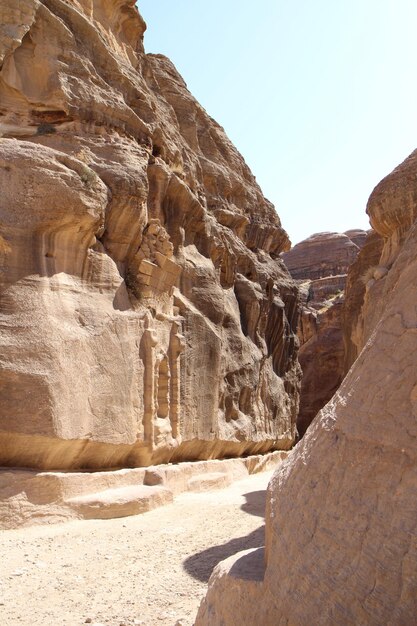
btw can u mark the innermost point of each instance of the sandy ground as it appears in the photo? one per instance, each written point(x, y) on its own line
point(148, 570)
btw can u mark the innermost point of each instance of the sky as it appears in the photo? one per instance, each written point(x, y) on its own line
point(319, 96)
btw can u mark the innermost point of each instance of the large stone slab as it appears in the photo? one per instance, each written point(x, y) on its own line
point(120, 502)
point(30, 497)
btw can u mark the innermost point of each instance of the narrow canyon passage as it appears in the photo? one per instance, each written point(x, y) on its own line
point(148, 569)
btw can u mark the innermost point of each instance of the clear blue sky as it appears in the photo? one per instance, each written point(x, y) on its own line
point(320, 96)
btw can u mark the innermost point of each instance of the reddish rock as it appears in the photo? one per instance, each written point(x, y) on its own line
point(360, 274)
point(145, 314)
point(341, 518)
point(322, 254)
point(321, 358)
point(320, 264)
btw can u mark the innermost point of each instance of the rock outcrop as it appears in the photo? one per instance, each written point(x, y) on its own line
point(323, 254)
point(359, 280)
point(341, 522)
point(145, 313)
point(321, 352)
point(320, 264)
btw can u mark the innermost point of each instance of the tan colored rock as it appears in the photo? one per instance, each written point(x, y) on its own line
point(358, 236)
point(344, 551)
point(208, 482)
point(120, 502)
point(360, 278)
point(17, 18)
point(145, 314)
point(392, 208)
point(29, 497)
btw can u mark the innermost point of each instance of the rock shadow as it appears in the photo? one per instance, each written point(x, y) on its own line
point(255, 503)
point(201, 564)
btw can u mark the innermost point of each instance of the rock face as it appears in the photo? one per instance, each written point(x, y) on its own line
point(145, 314)
point(321, 353)
point(360, 279)
point(323, 254)
point(344, 550)
point(320, 264)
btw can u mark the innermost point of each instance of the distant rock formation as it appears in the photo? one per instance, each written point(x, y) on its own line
point(358, 236)
point(145, 314)
point(322, 255)
point(341, 520)
point(320, 264)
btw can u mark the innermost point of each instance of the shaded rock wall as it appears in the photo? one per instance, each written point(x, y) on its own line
point(344, 550)
point(359, 281)
point(320, 265)
point(145, 313)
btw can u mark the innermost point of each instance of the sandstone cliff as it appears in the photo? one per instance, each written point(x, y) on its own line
point(145, 313)
point(359, 281)
point(320, 264)
point(341, 523)
point(323, 254)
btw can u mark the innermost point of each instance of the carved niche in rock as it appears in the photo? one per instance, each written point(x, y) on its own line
point(153, 269)
point(161, 384)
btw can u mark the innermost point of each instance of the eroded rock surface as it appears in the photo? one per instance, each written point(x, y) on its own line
point(145, 313)
point(360, 280)
point(323, 254)
point(341, 522)
point(320, 264)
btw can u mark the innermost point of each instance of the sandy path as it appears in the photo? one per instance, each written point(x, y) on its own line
point(151, 569)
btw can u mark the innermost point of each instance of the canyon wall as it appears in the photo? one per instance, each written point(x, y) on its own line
point(320, 264)
point(359, 281)
point(341, 518)
point(145, 313)
point(324, 254)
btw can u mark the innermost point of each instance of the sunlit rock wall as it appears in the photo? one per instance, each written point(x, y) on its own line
point(145, 314)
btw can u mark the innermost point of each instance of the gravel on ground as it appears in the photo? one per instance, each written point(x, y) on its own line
point(146, 570)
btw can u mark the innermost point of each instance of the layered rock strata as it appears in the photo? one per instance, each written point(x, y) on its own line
point(344, 551)
point(323, 254)
point(145, 313)
point(320, 264)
